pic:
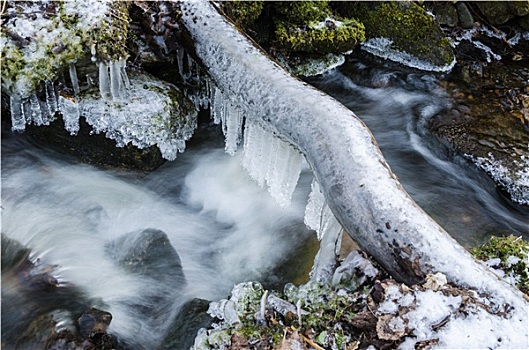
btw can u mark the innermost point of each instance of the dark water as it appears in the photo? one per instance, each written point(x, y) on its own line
point(397, 107)
point(224, 228)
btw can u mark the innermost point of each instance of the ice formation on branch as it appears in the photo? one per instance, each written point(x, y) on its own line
point(272, 161)
point(358, 185)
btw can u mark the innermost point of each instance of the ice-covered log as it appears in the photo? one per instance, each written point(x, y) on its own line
point(358, 185)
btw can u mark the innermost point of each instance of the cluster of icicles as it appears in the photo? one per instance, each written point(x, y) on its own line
point(273, 163)
point(268, 160)
point(113, 85)
point(125, 112)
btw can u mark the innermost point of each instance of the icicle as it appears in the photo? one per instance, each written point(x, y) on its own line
point(104, 81)
point(260, 315)
point(180, 59)
point(93, 52)
point(284, 172)
point(74, 79)
point(254, 158)
point(282, 306)
point(36, 114)
point(267, 159)
point(124, 76)
point(51, 100)
point(314, 208)
point(115, 81)
point(18, 120)
point(232, 128)
point(298, 311)
point(325, 260)
point(218, 104)
point(70, 114)
point(190, 126)
point(211, 92)
point(190, 65)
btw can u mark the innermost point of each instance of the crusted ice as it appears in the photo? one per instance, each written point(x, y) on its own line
point(354, 264)
point(382, 47)
point(148, 117)
point(514, 179)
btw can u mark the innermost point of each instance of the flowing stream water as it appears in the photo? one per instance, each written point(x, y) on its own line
point(224, 228)
point(397, 106)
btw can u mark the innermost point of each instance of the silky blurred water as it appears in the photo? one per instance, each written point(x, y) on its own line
point(397, 106)
point(224, 228)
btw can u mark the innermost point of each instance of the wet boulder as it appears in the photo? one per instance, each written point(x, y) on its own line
point(403, 32)
point(149, 252)
point(94, 321)
point(149, 257)
point(183, 329)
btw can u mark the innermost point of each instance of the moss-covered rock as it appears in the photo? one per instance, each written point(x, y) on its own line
point(510, 256)
point(243, 13)
point(300, 12)
point(328, 36)
point(310, 27)
point(402, 31)
point(40, 39)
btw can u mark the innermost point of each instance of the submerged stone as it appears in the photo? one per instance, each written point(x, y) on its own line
point(149, 252)
point(38, 309)
point(183, 329)
point(94, 321)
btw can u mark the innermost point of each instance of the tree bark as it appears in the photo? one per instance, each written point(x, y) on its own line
point(359, 187)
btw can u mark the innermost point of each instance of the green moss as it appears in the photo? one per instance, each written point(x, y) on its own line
point(300, 12)
point(411, 29)
point(243, 13)
point(505, 248)
point(311, 27)
point(65, 41)
point(13, 62)
point(316, 38)
point(111, 35)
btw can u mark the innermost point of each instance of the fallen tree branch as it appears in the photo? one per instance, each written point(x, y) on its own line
point(359, 187)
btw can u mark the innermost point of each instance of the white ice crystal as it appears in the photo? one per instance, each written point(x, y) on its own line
point(515, 181)
point(382, 47)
